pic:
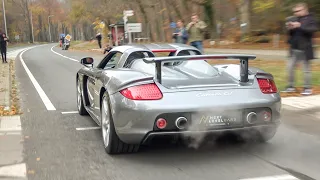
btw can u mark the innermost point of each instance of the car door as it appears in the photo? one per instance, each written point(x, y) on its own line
point(108, 63)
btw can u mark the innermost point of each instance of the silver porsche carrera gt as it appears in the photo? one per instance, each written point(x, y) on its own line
point(135, 95)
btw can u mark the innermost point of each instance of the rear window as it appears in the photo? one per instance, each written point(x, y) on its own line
point(137, 55)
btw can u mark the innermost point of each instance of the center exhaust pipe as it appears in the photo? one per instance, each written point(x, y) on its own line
point(252, 117)
point(181, 123)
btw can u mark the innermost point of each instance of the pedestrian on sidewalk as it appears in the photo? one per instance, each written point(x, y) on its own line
point(300, 31)
point(196, 29)
point(180, 35)
point(99, 37)
point(3, 47)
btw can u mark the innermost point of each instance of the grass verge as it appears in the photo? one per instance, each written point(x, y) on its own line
point(14, 99)
point(84, 45)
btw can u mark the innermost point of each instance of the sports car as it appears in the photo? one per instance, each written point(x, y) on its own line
point(135, 95)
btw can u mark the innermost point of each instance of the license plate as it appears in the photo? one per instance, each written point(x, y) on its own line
point(216, 119)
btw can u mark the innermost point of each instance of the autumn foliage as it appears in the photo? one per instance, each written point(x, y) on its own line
point(76, 17)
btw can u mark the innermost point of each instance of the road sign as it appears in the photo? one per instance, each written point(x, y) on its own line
point(128, 13)
point(68, 37)
point(134, 27)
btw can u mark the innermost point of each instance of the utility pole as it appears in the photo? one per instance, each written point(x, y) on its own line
point(49, 27)
point(32, 28)
point(4, 16)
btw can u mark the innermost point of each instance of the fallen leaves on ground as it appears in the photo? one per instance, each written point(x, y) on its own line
point(14, 108)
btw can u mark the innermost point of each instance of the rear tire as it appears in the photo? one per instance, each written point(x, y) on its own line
point(80, 105)
point(111, 141)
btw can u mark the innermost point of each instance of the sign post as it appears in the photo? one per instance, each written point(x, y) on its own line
point(132, 28)
point(126, 14)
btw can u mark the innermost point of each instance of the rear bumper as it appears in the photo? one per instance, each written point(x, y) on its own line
point(135, 120)
point(270, 128)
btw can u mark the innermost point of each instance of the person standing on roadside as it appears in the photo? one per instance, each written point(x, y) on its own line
point(181, 34)
point(99, 37)
point(301, 29)
point(3, 47)
point(196, 29)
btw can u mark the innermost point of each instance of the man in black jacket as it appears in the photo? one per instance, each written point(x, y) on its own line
point(301, 30)
point(3, 47)
point(99, 37)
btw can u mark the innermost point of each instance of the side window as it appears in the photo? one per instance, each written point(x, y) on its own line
point(111, 61)
point(115, 59)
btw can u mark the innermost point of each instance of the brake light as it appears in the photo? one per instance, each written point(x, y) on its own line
point(142, 92)
point(267, 86)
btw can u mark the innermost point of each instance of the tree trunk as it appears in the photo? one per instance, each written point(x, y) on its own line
point(245, 9)
point(209, 15)
point(29, 20)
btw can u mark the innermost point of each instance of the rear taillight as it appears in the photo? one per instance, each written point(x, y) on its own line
point(142, 92)
point(267, 86)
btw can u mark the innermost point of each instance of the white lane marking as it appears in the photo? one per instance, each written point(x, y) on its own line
point(17, 170)
point(69, 112)
point(279, 177)
point(63, 55)
point(40, 91)
point(87, 128)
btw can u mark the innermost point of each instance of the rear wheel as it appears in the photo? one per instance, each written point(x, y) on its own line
point(111, 141)
point(80, 105)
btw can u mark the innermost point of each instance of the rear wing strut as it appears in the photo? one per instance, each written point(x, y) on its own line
point(244, 65)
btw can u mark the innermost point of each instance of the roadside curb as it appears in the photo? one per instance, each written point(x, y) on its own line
point(302, 103)
point(11, 148)
point(12, 164)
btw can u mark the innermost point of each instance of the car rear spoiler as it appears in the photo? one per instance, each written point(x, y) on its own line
point(244, 65)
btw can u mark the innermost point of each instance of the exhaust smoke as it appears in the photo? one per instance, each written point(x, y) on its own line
point(208, 120)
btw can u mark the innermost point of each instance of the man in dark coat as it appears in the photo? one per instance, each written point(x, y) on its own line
point(3, 47)
point(300, 31)
point(99, 37)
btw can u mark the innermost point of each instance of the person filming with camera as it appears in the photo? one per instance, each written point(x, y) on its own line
point(301, 28)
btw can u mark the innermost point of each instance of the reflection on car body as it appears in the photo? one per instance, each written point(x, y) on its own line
point(135, 95)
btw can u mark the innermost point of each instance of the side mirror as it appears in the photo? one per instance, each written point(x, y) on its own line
point(87, 61)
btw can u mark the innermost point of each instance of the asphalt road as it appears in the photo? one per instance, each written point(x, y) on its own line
point(55, 149)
